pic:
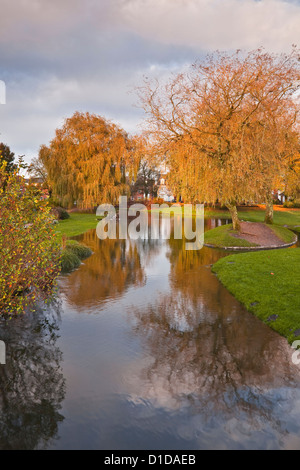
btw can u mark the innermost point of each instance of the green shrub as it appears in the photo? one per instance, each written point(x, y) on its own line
point(80, 250)
point(72, 255)
point(69, 261)
point(60, 213)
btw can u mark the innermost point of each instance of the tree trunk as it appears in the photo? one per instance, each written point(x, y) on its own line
point(236, 225)
point(269, 208)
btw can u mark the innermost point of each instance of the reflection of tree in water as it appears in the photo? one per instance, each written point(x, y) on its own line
point(32, 386)
point(216, 361)
point(114, 266)
point(207, 350)
point(183, 260)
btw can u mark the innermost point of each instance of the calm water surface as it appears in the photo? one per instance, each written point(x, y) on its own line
point(146, 350)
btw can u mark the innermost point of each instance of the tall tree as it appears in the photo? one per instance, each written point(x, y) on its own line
point(204, 120)
point(89, 161)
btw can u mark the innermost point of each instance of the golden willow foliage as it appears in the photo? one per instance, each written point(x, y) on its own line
point(224, 125)
point(292, 181)
point(90, 161)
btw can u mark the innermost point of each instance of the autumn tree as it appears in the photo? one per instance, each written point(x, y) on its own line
point(204, 120)
point(89, 161)
point(284, 147)
point(291, 178)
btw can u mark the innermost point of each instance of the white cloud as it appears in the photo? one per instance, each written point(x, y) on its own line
point(58, 57)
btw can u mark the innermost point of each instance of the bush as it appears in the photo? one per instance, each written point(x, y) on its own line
point(69, 261)
point(60, 213)
point(30, 254)
point(72, 255)
point(80, 250)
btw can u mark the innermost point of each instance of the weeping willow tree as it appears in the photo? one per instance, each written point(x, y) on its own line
point(216, 121)
point(89, 161)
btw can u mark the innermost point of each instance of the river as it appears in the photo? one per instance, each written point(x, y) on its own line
point(145, 349)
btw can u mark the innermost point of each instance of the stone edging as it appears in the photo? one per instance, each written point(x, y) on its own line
point(252, 248)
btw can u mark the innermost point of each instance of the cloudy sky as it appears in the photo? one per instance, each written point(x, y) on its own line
point(59, 56)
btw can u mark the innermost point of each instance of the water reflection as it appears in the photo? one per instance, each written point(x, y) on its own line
point(214, 361)
point(157, 355)
point(207, 353)
point(194, 361)
point(114, 266)
point(32, 386)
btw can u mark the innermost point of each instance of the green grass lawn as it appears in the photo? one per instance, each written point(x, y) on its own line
point(267, 283)
point(222, 236)
point(76, 225)
point(284, 234)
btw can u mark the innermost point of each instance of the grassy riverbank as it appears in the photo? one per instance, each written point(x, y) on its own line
point(267, 283)
point(73, 253)
point(222, 236)
point(77, 224)
point(225, 236)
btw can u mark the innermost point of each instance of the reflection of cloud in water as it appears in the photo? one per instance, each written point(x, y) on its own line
point(229, 371)
point(187, 367)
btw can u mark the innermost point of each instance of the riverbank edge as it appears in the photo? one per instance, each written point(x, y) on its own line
point(252, 248)
point(222, 234)
point(264, 288)
point(76, 225)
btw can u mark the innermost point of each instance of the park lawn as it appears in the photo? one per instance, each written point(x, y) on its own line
point(267, 283)
point(77, 224)
point(222, 236)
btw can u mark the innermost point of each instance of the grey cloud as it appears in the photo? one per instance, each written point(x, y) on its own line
point(62, 56)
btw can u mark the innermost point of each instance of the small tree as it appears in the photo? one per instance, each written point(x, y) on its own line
point(30, 255)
